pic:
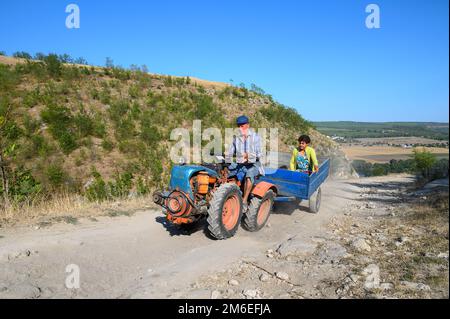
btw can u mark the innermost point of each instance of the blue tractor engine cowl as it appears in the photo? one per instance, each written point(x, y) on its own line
point(181, 202)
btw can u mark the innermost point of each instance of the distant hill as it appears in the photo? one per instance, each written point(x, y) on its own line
point(433, 130)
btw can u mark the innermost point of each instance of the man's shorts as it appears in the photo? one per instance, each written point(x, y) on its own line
point(242, 171)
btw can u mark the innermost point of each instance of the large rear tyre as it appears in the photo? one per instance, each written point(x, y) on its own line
point(225, 211)
point(314, 201)
point(258, 212)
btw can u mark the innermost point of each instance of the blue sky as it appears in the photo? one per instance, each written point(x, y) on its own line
point(316, 56)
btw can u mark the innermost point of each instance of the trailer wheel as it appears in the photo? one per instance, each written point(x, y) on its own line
point(258, 212)
point(225, 211)
point(314, 201)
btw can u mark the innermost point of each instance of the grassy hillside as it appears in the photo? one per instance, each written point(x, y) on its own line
point(104, 132)
point(439, 131)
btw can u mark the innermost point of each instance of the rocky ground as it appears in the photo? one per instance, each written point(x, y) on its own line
point(373, 238)
point(391, 241)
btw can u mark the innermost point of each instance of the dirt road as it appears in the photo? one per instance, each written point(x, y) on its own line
point(142, 257)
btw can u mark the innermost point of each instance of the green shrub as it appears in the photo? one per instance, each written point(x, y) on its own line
point(53, 65)
point(61, 126)
point(84, 125)
point(120, 73)
point(107, 145)
point(132, 147)
point(142, 186)
point(98, 190)
point(121, 185)
point(23, 186)
point(55, 175)
point(118, 110)
point(23, 55)
point(423, 161)
point(32, 98)
point(95, 94)
point(439, 169)
point(134, 91)
point(136, 111)
point(99, 126)
point(105, 96)
point(286, 116)
point(9, 78)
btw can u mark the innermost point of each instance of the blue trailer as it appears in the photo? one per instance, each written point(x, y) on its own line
point(292, 185)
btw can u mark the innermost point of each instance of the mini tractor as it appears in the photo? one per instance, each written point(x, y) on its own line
point(205, 191)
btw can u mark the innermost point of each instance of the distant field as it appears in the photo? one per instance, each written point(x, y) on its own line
point(398, 140)
point(383, 154)
point(347, 129)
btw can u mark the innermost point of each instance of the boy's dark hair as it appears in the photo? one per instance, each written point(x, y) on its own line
point(304, 138)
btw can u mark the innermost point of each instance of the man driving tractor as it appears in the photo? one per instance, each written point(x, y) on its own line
point(247, 149)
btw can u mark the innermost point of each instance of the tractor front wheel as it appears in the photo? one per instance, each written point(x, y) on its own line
point(258, 212)
point(225, 211)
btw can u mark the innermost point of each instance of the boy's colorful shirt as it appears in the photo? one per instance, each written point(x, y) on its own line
point(311, 158)
point(302, 162)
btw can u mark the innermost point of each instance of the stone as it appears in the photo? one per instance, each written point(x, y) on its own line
point(332, 253)
point(442, 255)
point(401, 240)
point(361, 245)
point(414, 285)
point(264, 277)
point(354, 277)
point(23, 291)
point(233, 282)
point(216, 294)
point(386, 286)
point(282, 275)
point(372, 274)
point(230, 291)
point(250, 293)
point(296, 246)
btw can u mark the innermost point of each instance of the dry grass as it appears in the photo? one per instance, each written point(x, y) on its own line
point(424, 227)
point(69, 208)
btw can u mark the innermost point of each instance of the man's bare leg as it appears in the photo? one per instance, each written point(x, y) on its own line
point(247, 188)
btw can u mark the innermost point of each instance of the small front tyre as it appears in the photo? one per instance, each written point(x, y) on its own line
point(258, 212)
point(225, 211)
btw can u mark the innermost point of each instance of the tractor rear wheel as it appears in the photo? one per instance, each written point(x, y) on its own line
point(314, 201)
point(225, 211)
point(258, 212)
